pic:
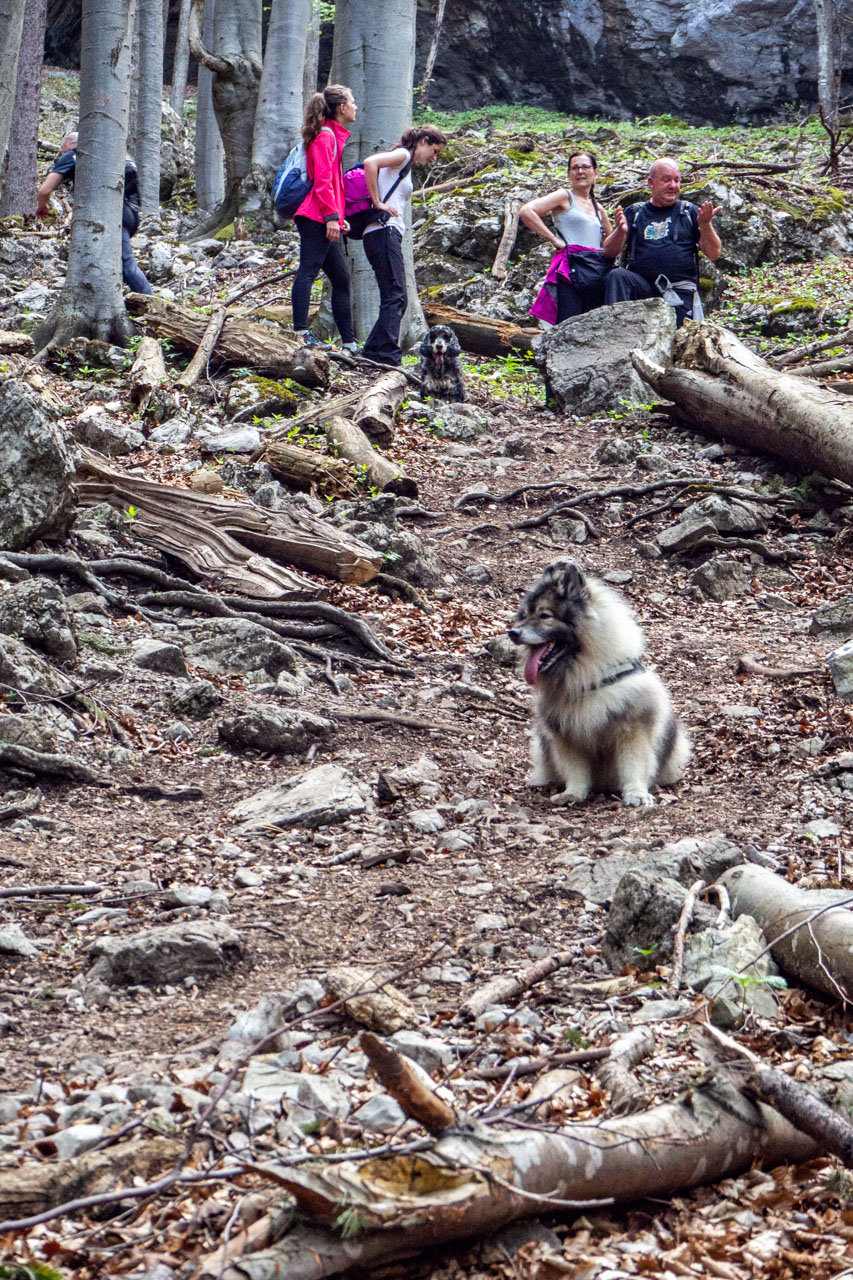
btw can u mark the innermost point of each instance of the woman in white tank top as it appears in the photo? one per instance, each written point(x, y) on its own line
point(578, 220)
point(383, 238)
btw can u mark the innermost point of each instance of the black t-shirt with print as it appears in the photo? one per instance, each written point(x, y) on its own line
point(663, 241)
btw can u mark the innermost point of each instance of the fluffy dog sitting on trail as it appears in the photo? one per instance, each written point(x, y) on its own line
point(601, 720)
point(440, 367)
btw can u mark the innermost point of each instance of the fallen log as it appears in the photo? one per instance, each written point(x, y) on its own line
point(227, 542)
point(810, 934)
point(33, 1188)
point(241, 341)
point(722, 387)
point(480, 334)
point(308, 468)
point(396, 1073)
point(470, 1182)
point(147, 371)
point(379, 472)
point(377, 408)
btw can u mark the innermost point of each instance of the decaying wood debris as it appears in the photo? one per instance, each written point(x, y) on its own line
point(309, 468)
point(147, 372)
point(260, 346)
point(231, 543)
point(379, 471)
point(36, 1187)
point(378, 407)
point(481, 334)
point(715, 381)
point(510, 232)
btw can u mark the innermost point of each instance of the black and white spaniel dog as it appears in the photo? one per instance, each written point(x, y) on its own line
point(441, 368)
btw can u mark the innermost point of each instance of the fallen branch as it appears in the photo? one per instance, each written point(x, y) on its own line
point(615, 1073)
point(683, 925)
point(531, 1066)
point(791, 356)
point(507, 244)
point(822, 368)
point(378, 470)
point(508, 986)
point(52, 890)
point(396, 1074)
point(376, 411)
point(750, 666)
point(204, 351)
point(147, 372)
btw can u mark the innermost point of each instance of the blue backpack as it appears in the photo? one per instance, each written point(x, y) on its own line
point(292, 183)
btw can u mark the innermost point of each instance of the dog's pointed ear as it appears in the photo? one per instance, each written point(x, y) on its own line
point(568, 579)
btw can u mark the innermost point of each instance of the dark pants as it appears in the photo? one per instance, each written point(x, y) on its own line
point(131, 272)
point(572, 301)
point(628, 286)
point(316, 254)
point(384, 251)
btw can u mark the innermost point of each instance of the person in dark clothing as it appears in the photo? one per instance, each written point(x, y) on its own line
point(63, 169)
point(383, 237)
point(664, 236)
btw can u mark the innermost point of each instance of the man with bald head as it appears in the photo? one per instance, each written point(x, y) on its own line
point(664, 236)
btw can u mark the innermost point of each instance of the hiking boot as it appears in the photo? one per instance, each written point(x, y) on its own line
point(352, 347)
point(311, 340)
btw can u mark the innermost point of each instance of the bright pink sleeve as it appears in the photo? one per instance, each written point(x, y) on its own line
point(324, 163)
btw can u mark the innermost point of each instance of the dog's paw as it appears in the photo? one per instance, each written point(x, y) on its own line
point(638, 798)
point(570, 797)
point(537, 779)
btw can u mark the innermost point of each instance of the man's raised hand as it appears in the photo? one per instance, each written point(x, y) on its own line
point(707, 212)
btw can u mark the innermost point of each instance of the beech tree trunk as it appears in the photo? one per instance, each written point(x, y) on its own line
point(235, 62)
point(149, 119)
point(813, 948)
point(209, 153)
point(374, 56)
point(471, 1183)
point(181, 61)
point(11, 26)
point(312, 54)
point(828, 59)
point(719, 386)
point(91, 301)
point(278, 119)
point(19, 191)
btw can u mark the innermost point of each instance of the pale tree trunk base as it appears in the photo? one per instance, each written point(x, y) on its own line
point(66, 323)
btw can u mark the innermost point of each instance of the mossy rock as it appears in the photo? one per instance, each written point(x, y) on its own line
point(225, 233)
point(828, 204)
point(791, 306)
point(633, 197)
point(253, 390)
point(525, 158)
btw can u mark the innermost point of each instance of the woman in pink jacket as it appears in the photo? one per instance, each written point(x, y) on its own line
point(320, 218)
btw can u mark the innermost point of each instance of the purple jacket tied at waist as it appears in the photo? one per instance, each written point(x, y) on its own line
point(545, 306)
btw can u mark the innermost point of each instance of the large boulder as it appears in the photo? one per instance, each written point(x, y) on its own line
point(586, 361)
point(165, 953)
point(37, 494)
point(36, 612)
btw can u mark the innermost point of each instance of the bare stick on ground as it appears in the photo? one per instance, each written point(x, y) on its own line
point(508, 986)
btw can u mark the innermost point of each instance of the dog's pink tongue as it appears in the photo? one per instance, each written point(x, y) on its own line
point(531, 666)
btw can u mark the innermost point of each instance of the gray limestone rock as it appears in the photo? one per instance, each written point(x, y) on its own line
point(198, 700)
point(233, 646)
point(37, 494)
point(37, 612)
point(77, 1138)
point(165, 954)
point(730, 515)
point(96, 429)
point(642, 919)
point(13, 941)
point(835, 619)
point(722, 579)
point(586, 361)
point(840, 663)
point(240, 439)
point(427, 1051)
point(684, 533)
point(158, 655)
point(729, 962)
point(22, 669)
point(318, 798)
point(381, 1114)
point(259, 729)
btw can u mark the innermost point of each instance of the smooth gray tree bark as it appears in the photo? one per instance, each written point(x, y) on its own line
point(374, 54)
point(278, 118)
point(91, 301)
point(19, 191)
point(11, 26)
point(209, 155)
point(181, 60)
point(828, 59)
point(312, 54)
point(149, 120)
point(236, 64)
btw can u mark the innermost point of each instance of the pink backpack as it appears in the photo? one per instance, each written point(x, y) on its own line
point(358, 206)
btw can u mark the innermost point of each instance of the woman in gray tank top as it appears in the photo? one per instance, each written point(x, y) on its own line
point(580, 221)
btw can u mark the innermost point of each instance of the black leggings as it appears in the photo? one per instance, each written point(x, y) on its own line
point(316, 254)
point(572, 301)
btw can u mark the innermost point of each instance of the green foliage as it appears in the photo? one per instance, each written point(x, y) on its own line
point(30, 1271)
point(575, 1037)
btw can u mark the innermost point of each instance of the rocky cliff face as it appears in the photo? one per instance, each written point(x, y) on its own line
point(708, 61)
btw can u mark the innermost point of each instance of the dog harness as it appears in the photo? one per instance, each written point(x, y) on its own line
point(619, 674)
